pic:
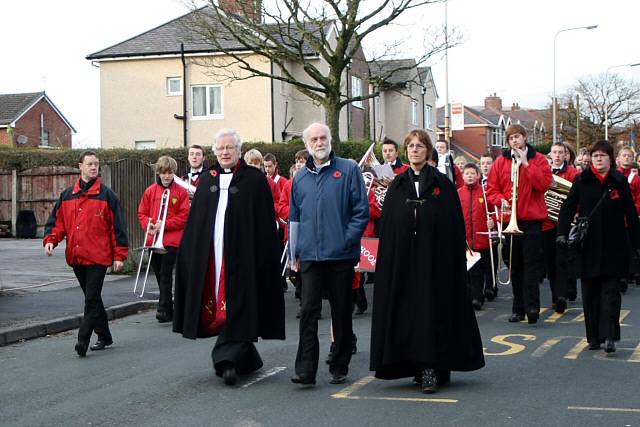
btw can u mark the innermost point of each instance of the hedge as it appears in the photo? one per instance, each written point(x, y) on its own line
point(27, 158)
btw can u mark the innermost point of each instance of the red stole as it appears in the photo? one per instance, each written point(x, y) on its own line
point(213, 314)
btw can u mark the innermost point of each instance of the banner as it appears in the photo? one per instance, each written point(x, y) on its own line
point(457, 116)
point(368, 255)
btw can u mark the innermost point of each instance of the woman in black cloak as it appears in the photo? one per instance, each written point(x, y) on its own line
point(423, 324)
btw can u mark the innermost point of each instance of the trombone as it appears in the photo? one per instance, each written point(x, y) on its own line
point(493, 265)
point(156, 245)
point(512, 228)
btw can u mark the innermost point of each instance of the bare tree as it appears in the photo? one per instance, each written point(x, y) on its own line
point(602, 97)
point(310, 43)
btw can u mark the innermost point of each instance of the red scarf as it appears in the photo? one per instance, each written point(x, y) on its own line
point(601, 178)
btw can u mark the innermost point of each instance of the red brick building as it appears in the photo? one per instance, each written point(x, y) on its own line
point(484, 127)
point(32, 120)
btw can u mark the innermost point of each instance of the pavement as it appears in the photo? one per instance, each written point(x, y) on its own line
point(535, 375)
point(40, 295)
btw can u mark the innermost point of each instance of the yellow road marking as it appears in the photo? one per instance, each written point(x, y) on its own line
point(546, 346)
point(623, 314)
point(555, 316)
point(635, 356)
point(514, 348)
point(347, 393)
point(588, 408)
point(577, 349)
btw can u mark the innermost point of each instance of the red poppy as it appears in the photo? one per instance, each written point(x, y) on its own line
point(337, 174)
point(436, 192)
point(214, 172)
point(615, 195)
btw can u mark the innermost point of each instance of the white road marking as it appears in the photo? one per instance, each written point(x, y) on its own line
point(269, 373)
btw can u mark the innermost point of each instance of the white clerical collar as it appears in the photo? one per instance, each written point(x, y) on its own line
point(225, 170)
point(198, 171)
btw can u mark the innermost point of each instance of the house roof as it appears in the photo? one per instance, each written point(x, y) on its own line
point(165, 39)
point(396, 72)
point(15, 105)
point(471, 117)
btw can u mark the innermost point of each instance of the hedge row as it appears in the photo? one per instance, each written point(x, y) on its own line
point(27, 158)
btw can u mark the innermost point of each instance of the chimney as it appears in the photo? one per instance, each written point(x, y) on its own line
point(515, 106)
point(493, 102)
point(250, 9)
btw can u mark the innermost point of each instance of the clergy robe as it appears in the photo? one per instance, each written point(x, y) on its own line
point(422, 316)
point(254, 299)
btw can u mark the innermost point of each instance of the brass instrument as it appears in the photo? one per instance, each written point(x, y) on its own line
point(156, 245)
point(379, 188)
point(512, 227)
point(504, 272)
point(493, 265)
point(556, 195)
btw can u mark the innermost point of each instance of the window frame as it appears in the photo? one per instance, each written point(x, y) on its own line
point(168, 83)
point(208, 115)
point(356, 82)
point(428, 109)
point(414, 112)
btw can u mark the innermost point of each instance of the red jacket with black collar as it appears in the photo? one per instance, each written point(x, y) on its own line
point(177, 212)
point(475, 215)
point(93, 223)
point(635, 186)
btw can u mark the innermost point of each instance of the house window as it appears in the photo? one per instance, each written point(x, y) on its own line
point(427, 116)
point(414, 112)
point(146, 145)
point(356, 90)
point(44, 139)
point(207, 101)
point(497, 138)
point(174, 86)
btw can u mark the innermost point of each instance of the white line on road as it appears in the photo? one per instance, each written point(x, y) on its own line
point(588, 408)
point(267, 374)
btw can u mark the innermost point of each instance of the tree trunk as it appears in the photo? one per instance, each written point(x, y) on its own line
point(332, 112)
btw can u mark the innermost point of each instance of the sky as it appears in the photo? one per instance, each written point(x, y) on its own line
point(507, 47)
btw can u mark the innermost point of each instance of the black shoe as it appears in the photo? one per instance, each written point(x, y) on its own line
point(623, 287)
point(516, 317)
point(229, 375)
point(304, 379)
point(81, 348)
point(489, 294)
point(101, 344)
point(429, 381)
point(337, 378)
point(594, 346)
point(417, 378)
point(360, 310)
point(561, 305)
point(477, 305)
point(163, 316)
point(572, 295)
point(532, 317)
point(609, 346)
point(443, 377)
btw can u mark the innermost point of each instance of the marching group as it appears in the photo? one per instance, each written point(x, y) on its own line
point(228, 231)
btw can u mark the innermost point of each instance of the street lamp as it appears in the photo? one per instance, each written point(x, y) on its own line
point(586, 27)
point(606, 98)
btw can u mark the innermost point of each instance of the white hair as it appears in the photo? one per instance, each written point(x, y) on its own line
point(305, 132)
point(227, 132)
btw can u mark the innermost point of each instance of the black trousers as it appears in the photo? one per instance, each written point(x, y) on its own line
point(335, 277)
point(557, 284)
point(476, 276)
point(601, 301)
point(527, 267)
point(162, 265)
point(91, 278)
point(242, 355)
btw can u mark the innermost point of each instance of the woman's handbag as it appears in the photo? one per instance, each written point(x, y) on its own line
point(579, 230)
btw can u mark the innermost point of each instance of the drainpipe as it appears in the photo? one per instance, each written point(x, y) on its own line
point(184, 95)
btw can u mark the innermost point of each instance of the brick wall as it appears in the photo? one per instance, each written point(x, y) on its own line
point(4, 137)
point(473, 139)
point(29, 125)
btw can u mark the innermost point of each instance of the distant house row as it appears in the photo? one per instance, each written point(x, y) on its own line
point(143, 100)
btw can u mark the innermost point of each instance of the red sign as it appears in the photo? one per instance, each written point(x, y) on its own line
point(368, 255)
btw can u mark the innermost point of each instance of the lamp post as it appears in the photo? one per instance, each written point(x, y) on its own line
point(606, 98)
point(586, 27)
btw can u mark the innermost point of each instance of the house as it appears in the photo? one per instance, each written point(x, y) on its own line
point(485, 127)
point(406, 101)
point(158, 89)
point(33, 120)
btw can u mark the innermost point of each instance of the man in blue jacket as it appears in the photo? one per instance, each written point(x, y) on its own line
point(328, 214)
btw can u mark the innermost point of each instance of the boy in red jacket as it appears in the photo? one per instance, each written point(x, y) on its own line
point(477, 224)
point(533, 181)
point(177, 214)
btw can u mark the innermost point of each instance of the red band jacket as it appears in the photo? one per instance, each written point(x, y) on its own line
point(177, 213)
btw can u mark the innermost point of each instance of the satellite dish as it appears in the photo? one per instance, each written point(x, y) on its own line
point(22, 139)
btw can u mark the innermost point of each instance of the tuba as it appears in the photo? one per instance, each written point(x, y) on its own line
point(556, 195)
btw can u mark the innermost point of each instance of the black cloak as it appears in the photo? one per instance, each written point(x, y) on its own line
point(254, 298)
point(422, 316)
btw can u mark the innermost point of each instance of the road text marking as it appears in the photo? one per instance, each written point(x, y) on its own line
point(347, 393)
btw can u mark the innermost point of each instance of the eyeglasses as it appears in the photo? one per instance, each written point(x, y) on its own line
point(416, 147)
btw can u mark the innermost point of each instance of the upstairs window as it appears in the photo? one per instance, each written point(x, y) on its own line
point(356, 90)
point(174, 86)
point(414, 112)
point(207, 101)
point(427, 116)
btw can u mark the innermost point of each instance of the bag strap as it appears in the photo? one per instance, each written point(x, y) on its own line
point(595, 208)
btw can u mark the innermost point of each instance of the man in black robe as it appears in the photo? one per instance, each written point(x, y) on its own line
point(422, 317)
point(228, 268)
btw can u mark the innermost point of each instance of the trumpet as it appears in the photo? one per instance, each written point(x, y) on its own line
point(504, 272)
point(512, 227)
point(156, 245)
